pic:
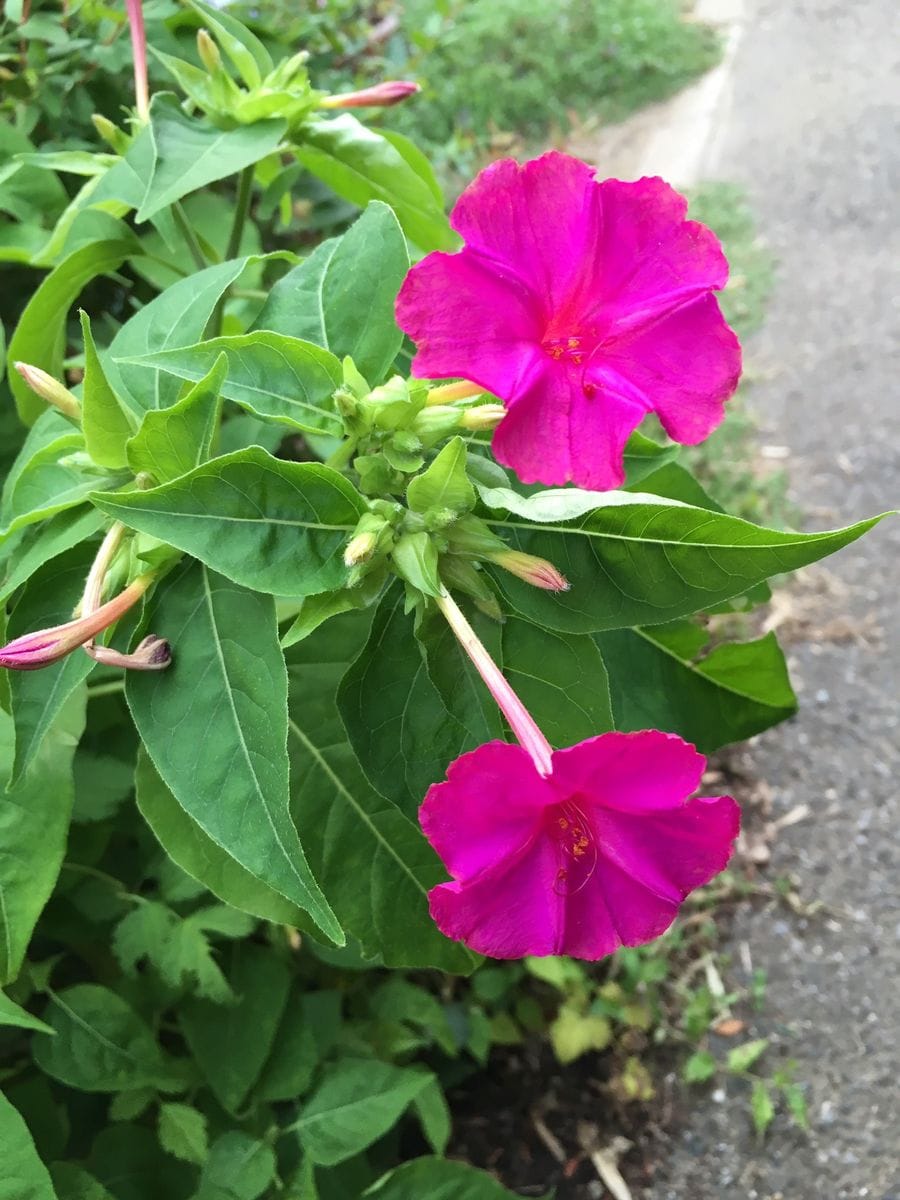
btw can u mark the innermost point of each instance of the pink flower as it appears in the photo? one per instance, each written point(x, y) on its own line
point(596, 854)
point(584, 306)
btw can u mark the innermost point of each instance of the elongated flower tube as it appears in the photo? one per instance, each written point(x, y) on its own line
point(575, 851)
point(392, 91)
point(46, 646)
point(50, 390)
point(139, 54)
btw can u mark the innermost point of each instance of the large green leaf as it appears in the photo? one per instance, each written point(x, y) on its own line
point(34, 821)
point(231, 1042)
point(49, 599)
point(275, 526)
point(186, 843)
point(372, 861)
point(361, 165)
point(176, 317)
point(215, 726)
point(187, 153)
point(438, 1179)
point(48, 428)
point(637, 561)
point(13, 1014)
point(342, 297)
point(24, 1176)
point(239, 1167)
point(271, 375)
point(659, 679)
point(357, 1102)
point(172, 441)
point(40, 336)
point(101, 1044)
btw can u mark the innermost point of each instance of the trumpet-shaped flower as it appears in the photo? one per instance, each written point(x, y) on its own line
point(596, 853)
point(583, 305)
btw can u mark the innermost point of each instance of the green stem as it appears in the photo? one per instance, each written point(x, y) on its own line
point(241, 211)
point(342, 455)
point(190, 238)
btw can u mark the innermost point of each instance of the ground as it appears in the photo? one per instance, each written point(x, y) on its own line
point(810, 129)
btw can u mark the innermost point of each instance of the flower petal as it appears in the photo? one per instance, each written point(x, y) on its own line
point(489, 808)
point(613, 910)
point(641, 772)
point(687, 364)
point(507, 912)
point(468, 319)
point(539, 220)
point(651, 258)
point(669, 853)
point(556, 433)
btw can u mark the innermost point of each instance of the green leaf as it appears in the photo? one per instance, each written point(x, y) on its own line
point(635, 561)
point(796, 1102)
point(245, 50)
point(24, 1176)
point(54, 479)
point(38, 696)
point(308, 1030)
point(361, 165)
point(742, 1058)
point(125, 1106)
point(735, 691)
point(275, 526)
point(194, 851)
point(128, 1160)
point(432, 1110)
point(182, 1133)
point(400, 1000)
point(372, 861)
point(40, 336)
point(356, 1103)
point(189, 152)
point(438, 1179)
point(699, 1067)
point(276, 377)
point(73, 1183)
point(47, 541)
point(105, 423)
point(12, 1014)
point(761, 1106)
point(101, 1044)
point(231, 1043)
point(643, 456)
point(445, 483)
point(342, 297)
point(239, 1167)
point(176, 317)
point(415, 559)
point(573, 1033)
point(172, 441)
point(34, 822)
point(177, 947)
point(227, 693)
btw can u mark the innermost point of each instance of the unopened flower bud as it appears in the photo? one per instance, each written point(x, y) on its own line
point(114, 137)
point(470, 535)
point(392, 91)
point(446, 393)
point(485, 416)
point(50, 389)
point(208, 51)
point(536, 571)
point(434, 424)
point(372, 530)
point(462, 575)
point(46, 646)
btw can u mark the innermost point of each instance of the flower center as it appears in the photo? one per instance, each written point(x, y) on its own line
point(576, 848)
point(573, 350)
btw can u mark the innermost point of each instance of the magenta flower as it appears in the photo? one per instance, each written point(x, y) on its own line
point(583, 305)
point(575, 851)
point(598, 854)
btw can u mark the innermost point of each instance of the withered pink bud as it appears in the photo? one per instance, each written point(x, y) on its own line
point(46, 646)
point(392, 91)
point(536, 571)
point(152, 654)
